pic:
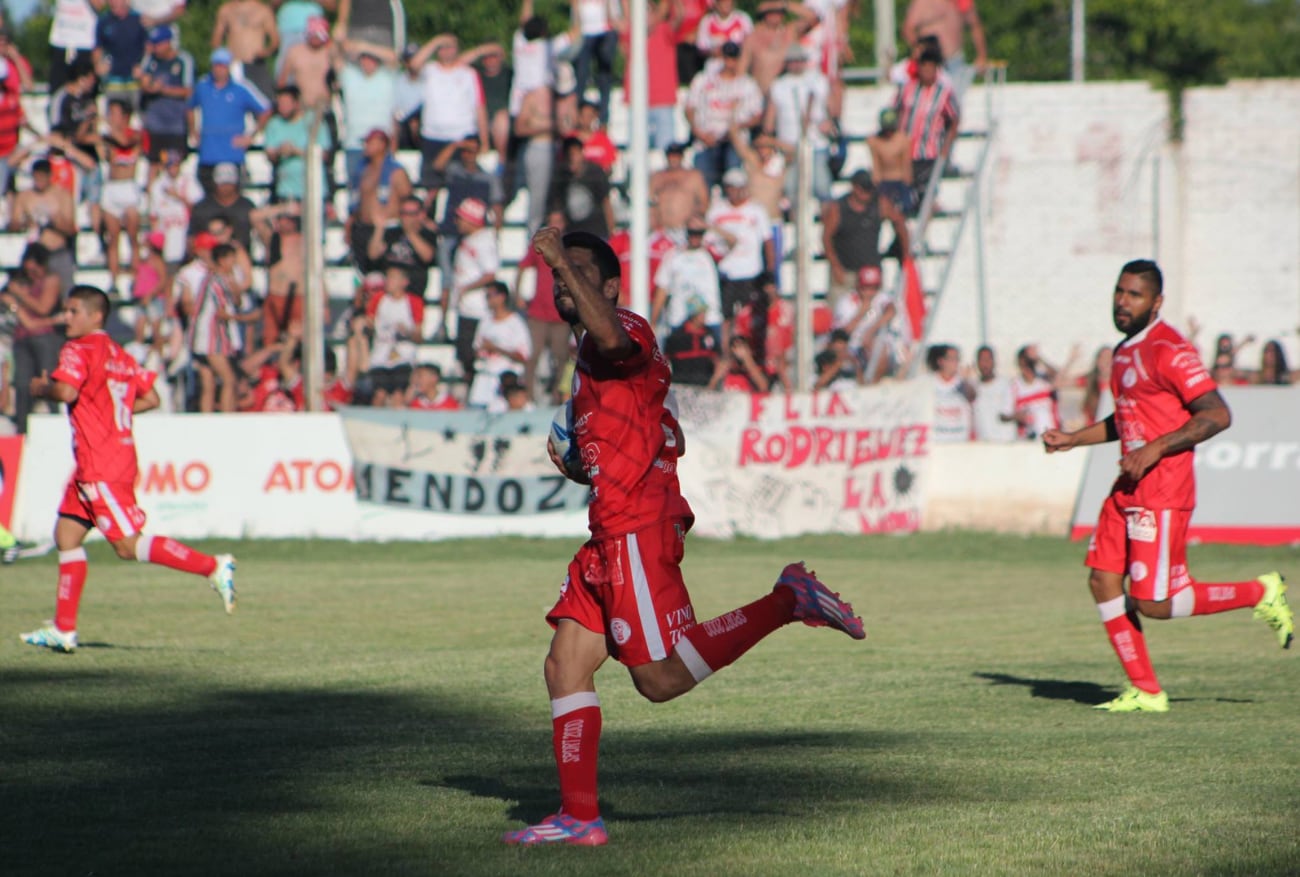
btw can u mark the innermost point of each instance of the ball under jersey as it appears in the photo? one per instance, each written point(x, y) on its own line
point(108, 381)
point(626, 434)
point(1156, 373)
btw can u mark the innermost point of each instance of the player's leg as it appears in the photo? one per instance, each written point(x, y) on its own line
point(121, 521)
point(577, 651)
point(1107, 556)
point(70, 531)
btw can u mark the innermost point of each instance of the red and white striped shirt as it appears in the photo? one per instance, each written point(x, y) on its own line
point(717, 101)
point(926, 112)
point(715, 31)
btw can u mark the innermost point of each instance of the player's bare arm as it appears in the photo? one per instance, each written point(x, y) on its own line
point(42, 387)
point(1094, 434)
point(147, 402)
point(1210, 416)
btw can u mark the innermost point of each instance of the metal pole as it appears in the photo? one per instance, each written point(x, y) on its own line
point(803, 338)
point(1155, 207)
point(1078, 40)
point(886, 47)
point(638, 154)
point(313, 292)
point(981, 275)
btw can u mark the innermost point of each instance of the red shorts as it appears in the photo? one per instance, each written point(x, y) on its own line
point(630, 589)
point(1147, 545)
point(108, 506)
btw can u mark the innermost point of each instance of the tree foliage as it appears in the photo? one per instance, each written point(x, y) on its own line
point(1173, 42)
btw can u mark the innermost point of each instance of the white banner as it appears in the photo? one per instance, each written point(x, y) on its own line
point(850, 461)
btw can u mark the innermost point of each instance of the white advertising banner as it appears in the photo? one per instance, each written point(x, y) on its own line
point(850, 461)
point(1247, 477)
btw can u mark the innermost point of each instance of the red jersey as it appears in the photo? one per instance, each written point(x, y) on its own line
point(108, 381)
point(1155, 375)
point(444, 401)
point(626, 434)
point(658, 244)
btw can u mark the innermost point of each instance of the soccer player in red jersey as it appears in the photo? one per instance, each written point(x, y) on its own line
point(1166, 403)
point(624, 596)
point(103, 387)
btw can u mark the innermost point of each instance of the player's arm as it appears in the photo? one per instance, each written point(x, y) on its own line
point(1094, 434)
point(1210, 416)
point(148, 402)
point(44, 387)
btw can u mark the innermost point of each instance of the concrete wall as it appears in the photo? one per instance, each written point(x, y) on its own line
point(1082, 179)
point(1008, 488)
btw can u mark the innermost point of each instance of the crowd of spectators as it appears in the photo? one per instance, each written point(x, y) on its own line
point(148, 158)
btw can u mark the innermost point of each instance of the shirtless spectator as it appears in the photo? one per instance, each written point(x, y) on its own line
point(411, 243)
point(247, 29)
point(677, 193)
point(453, 110)
point(376, 188)
point(282, 309)
point(948, 20)
point(47, 215)
point(891, 162)
point(773, 35)
point(308, 65)
point(534, 138)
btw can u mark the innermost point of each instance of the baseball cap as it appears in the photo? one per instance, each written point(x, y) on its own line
point(735, 177)
point(731, 50)
point(409, 51)
point(205, 240)
point(862, 179)
point(695, 305)
point(156, 239)
point(221, 56)
point(889, 118)
point(163, 33)
point(373, 280)
point(225, 173)
point(795, 54)
point(472, 210)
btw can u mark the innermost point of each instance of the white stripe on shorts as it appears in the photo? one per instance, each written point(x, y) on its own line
point(119, 517)
point(645, 608)
point(1162, 560)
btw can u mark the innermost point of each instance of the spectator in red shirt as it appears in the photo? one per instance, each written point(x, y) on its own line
point(770, 330)
point(427, 391)
point(597, 148)
point(549, 332)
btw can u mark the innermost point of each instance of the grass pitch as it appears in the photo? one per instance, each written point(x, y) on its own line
point(379, 709)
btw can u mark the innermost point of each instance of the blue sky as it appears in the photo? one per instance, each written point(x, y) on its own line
point(20, 9)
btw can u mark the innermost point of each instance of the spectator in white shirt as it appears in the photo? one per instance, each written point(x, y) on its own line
point(502, 344)
point(742, 232)
point(453, 107)
point(474, 266)
point(803, 88)
point(994, 407)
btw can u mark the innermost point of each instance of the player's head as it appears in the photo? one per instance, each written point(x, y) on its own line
point(1139, 293)
point(86, 310)
point(594, 258)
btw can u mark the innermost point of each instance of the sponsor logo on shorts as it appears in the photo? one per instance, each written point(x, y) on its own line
point(1137, 571)
point(620, 630)
point(1142, 525)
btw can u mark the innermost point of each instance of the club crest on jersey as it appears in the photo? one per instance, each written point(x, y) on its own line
point(1129, 378)
point(620, 630)
point(1142, 525)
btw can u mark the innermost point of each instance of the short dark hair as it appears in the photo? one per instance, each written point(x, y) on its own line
point(982, 348)
point(601, 253)
point(41, 166)
point(123, 105)
point(535, 28)
point(290, 90)
point(930, 55)
point(1147, 269)
point(38, 253)
point(94, 298)
point(221, 251)
point(570, 143)
point(499, 287)
point(935, 354)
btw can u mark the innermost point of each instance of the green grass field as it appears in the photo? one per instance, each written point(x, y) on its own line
point(379, 709)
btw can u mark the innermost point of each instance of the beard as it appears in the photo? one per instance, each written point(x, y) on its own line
point(1135, 323)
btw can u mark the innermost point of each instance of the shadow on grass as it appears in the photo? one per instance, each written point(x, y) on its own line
point(1055, 689)
point(154, 773)
point(1083, 692)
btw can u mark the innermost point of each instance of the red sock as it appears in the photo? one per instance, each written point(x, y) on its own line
point(711, 645)
point(1212, 597)
point(174, 555)
point(72, 578)
point(575, 735)
point(1129, 644)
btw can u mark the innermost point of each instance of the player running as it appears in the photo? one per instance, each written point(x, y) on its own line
point(624, 596)
point(1166, 403)
point(103, 387)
